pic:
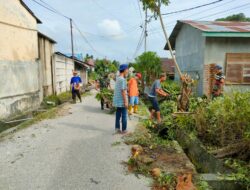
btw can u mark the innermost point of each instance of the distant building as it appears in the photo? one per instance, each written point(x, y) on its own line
point(19, 68)
point(168, 67)
point(63, 68)
point(199, 45)
point(46, 58)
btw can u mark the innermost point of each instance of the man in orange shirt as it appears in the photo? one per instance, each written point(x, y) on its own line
point(133, 93)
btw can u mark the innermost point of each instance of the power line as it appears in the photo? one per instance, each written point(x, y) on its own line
point(50, 8)
point(172, 23)
point(192, 8)
point(224, 11)
point(85, 39)
point(139, 45)
point(139, 7)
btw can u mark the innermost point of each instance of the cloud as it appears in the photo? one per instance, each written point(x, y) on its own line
point(111, 28)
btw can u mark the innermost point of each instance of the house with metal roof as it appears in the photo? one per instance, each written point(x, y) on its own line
point(199, 45)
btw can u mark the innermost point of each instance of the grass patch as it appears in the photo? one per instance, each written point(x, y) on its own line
point(143, 109)
point(116, 143)
point(50, 114)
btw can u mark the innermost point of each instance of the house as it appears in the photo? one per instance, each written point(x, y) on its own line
point(19, 67)
point(62, 71)
point(91, 63)
point(199, 45)
point(46, 57)
point(63, 67)
point(82, 68)
point(168, 67)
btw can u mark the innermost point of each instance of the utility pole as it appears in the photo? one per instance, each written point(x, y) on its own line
point(72, 40)
point(146, 31)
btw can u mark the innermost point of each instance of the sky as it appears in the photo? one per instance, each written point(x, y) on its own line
point(113, 27)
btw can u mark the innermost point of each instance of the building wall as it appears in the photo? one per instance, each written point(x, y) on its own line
point(46, 50)
point(215, 52)
point(190, 48)
point(18, 60)
point(63, 68)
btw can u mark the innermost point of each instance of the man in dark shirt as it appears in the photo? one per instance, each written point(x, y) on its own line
point(154, 92)
point(75, 86)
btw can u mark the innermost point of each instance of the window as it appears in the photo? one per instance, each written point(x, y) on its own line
point(238, 68)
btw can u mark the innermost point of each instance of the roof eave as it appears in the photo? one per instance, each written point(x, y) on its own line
point(174, 34)
point(45, 36)
point(31, 12)
point(227, 34)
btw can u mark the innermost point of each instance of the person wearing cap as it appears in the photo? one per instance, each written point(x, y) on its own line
point(154, 92)
point(120, 100)
point(133, 93)
point(75, 85)
point(219, 81)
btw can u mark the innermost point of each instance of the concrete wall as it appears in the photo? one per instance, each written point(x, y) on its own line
point(18, 60)
point(190, 48)
point(63, 68)
point(215, 52)
point(46, 50)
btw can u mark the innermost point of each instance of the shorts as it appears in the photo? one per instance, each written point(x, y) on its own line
point(134, 100)
point(154, 103)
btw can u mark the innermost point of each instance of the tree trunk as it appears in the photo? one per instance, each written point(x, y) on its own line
point(240, 150)
point(166, 36)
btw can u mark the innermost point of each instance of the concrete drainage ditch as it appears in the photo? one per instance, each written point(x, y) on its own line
point(210, 168)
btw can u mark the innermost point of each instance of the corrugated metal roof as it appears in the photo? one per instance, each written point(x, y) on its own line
point(213, 29)
point(219, 26)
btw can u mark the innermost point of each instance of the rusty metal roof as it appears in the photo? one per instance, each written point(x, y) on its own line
point(213, 29)
point(219, 26)
point(168, 65)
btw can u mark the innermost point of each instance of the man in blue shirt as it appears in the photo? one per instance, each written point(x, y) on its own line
point(157, 90)
point(75, 86)
point(120, 100)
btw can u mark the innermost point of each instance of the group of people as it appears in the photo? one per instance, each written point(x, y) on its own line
point(126, 94)
point(126, 97)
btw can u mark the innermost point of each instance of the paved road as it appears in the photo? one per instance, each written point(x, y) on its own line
point(71, 152)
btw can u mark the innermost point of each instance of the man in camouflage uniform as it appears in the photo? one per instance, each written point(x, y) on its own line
point(103, 83)
point(219, 81)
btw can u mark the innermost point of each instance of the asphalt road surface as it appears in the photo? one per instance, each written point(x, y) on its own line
point(76, 151)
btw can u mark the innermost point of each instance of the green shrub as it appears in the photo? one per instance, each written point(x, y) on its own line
point(225, 119)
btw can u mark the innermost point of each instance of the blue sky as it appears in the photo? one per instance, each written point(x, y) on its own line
point(113, 26)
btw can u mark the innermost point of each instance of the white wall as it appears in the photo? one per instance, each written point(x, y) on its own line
point(19, 84)
point(63, 68)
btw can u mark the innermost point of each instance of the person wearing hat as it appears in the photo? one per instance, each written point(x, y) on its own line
point(75, 85)
point(120, 100)
point(219, 81)
point(154, 92)
point(133, 92)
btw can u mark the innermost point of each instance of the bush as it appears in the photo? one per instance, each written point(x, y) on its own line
point(225, 120)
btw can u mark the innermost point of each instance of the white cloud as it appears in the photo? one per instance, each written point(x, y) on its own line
point(111, 28)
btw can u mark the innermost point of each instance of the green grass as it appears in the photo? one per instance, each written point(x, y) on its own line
point(116, 143)
point(50, 114)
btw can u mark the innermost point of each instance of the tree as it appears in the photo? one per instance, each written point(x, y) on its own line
point(155, 7)
point(241, 17)
point(104, 67)
point(87, 57)
point(149, 64)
